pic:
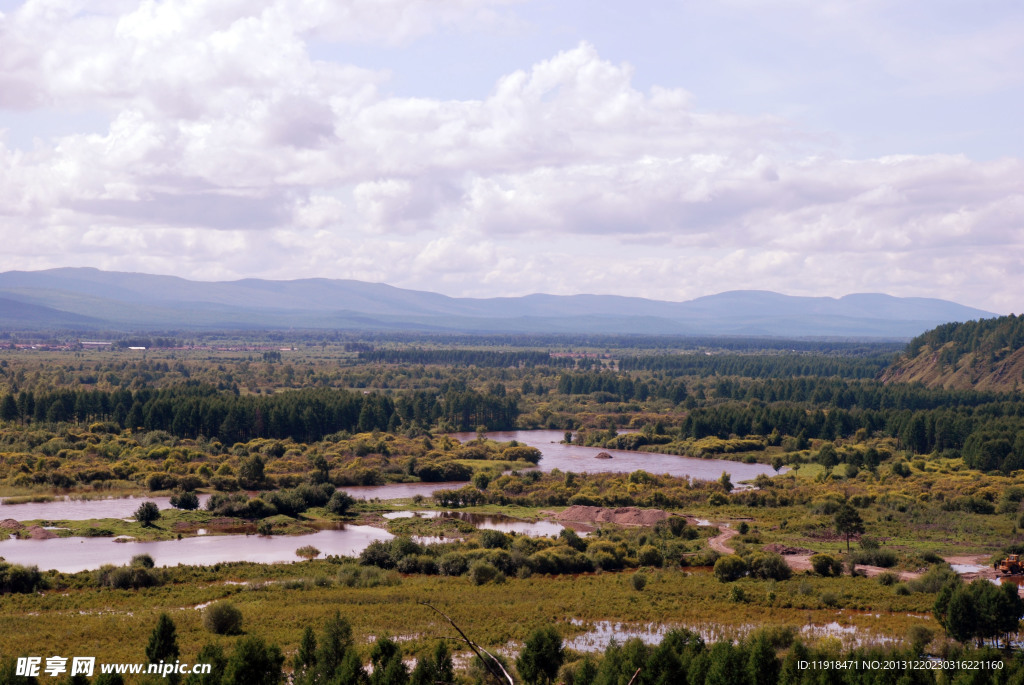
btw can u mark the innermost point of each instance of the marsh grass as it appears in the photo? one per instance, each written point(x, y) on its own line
point(280, 600)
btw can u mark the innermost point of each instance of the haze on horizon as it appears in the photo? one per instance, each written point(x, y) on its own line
point(484, 148)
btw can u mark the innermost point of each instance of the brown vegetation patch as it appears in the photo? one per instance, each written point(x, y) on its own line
point(40, 533)
point(623, 516)
point(11, 524)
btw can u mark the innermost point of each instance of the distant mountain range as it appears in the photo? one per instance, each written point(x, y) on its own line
point(89, 299)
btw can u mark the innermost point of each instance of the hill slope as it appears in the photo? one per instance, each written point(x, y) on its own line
point(132, 301)
point(986, 355)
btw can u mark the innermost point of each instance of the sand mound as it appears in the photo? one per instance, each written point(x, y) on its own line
point(11, 524)
point(623, 516)
point(40, 533)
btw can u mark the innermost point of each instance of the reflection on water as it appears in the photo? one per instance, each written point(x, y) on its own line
point(83, 509)
point(398, 490)
point(584, 459)
point(507, 524)
point(79, 554)
point(601, 633)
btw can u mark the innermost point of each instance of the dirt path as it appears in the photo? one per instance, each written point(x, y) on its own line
point(718, 543)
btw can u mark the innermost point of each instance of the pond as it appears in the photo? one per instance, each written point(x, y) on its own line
point(557, 455)
point(79, 554)
point(68, 509)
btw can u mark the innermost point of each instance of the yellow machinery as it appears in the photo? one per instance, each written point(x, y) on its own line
point(1011, 565)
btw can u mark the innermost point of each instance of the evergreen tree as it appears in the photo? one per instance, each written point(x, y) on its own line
point(253, 662)
point(163, 644)
point(541, 657)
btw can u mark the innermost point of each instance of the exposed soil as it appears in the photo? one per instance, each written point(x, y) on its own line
point(40, 533)
point(786, 550)
point(719, 542)
point(623, 516)
point(11, 524)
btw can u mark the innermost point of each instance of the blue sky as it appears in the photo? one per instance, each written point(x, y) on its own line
point(500, 147)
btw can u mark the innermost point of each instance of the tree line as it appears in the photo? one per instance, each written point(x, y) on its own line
point(460, 357)
point(760, 365)
point(305, 415)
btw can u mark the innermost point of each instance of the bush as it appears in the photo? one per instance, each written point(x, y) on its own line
point(187, 501)
point(493, 539)
point(729, 568)
point(147, 513)
point(826, 565)
point(142, 561)
point(933, 579)
point(367, 577)
point(340, 503)
point(480, 572)
point(888, 578)
point(649, 555)
point(638, 581)
point(453, 564)
point(769, 566)
point(126, 577)
point(222, 618)
point(307, 552)
point(18, 578)
point(886, 558)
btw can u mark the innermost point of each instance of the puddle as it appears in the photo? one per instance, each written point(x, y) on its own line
point(603, 632)
point(391, 515)
point(850, 636)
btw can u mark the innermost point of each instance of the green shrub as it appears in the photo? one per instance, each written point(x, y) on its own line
point(886, 558)
point(769, 566)
point(888, 578)
point(187, 501)
point(729, 568)
point(307, 552)
point(480, 573)
point(222, 618)
point(826, 565)
point(19, 579)
point(649, 555)
point(142, 561)
point(453, 564)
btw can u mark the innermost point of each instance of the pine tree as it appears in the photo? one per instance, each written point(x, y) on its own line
point(163, 644)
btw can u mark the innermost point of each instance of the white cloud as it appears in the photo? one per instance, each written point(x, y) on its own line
point(231, 152)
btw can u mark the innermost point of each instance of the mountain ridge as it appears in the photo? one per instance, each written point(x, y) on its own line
point(140, 301)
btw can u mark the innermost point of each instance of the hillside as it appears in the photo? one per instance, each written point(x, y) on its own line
point(986, 355)
point(82, 298)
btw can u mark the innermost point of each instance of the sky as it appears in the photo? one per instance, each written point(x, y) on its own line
point(663, 148)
